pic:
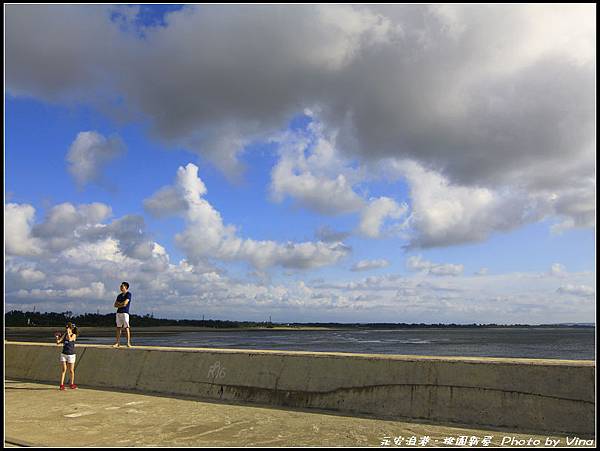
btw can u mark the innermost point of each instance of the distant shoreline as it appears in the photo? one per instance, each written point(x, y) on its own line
point(325, 326)
point(29, 320)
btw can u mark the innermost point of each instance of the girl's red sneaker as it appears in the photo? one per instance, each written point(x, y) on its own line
point(73, 386)
point(62, 387)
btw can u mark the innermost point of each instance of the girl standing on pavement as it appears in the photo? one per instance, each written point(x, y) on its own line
point(67, 357)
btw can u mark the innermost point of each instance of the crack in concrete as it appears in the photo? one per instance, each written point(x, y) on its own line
point(368, 387)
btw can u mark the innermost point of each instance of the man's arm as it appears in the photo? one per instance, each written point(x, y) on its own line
point(122, 303)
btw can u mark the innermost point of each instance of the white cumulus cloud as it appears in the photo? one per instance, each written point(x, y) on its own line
point(311, 172)
point(577, 290)
point(373, 216)
point(417, 263)
point(206, 236)
point(90, 153)
point(18, 222)
point(365, 265)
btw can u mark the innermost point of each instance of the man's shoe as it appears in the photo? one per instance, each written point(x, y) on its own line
point(62, 387)
point(116, 345)
point(73, 387)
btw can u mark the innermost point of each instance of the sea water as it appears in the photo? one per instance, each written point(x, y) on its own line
point(542, 343)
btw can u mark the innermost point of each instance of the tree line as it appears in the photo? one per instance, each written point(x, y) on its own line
point(16, 318)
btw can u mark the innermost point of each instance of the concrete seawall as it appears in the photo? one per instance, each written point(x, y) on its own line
point(556, 396)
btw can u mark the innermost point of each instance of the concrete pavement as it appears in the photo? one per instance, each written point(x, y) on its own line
point(41, 415)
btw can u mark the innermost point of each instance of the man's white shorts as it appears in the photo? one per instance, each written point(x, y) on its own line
point(122, 319)
point(69, 358)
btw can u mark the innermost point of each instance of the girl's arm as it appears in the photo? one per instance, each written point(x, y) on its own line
point(60, 339)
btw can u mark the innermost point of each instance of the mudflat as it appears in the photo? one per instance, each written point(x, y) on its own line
point(46, 333)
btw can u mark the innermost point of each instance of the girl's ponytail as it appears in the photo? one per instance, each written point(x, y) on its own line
point(73, 328)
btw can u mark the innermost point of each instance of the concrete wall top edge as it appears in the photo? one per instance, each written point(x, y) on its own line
point(483, 360)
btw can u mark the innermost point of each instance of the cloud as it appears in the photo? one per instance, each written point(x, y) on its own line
point(90, 153)
point(18, 221)
point(441, 213)
point(311, 172)
point(78, 231)
point(31, 275)
point(65, 222)
point(558, 270)
point(576, 207)
point(366, 265)
point(133, 240)
point(95, 291)
point(416, 263)
point(206, 236)
point(444, 214)
point(200, 102)
point(24, 274)
point(373, 216)
point(322, 195)
point(446, 270)
point(577, 290)
point(85, 278)
point(328, 235)
point(165, 202)
point(509, 128)
point(482, 123)
point(502, 298)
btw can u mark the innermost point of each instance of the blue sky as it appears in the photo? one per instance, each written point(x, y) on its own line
point(446, 224)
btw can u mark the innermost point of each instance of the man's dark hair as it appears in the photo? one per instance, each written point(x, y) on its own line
point(126, 285)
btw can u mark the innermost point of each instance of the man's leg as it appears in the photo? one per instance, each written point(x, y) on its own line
point(116, 345)
point(127, 328)
point(119, 319)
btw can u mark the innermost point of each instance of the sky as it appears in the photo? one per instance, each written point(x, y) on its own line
point(304, 163)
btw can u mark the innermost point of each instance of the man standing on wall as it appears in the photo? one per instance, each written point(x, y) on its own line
point(122, 304)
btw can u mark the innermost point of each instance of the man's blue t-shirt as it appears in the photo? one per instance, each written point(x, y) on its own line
point(120, 298)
